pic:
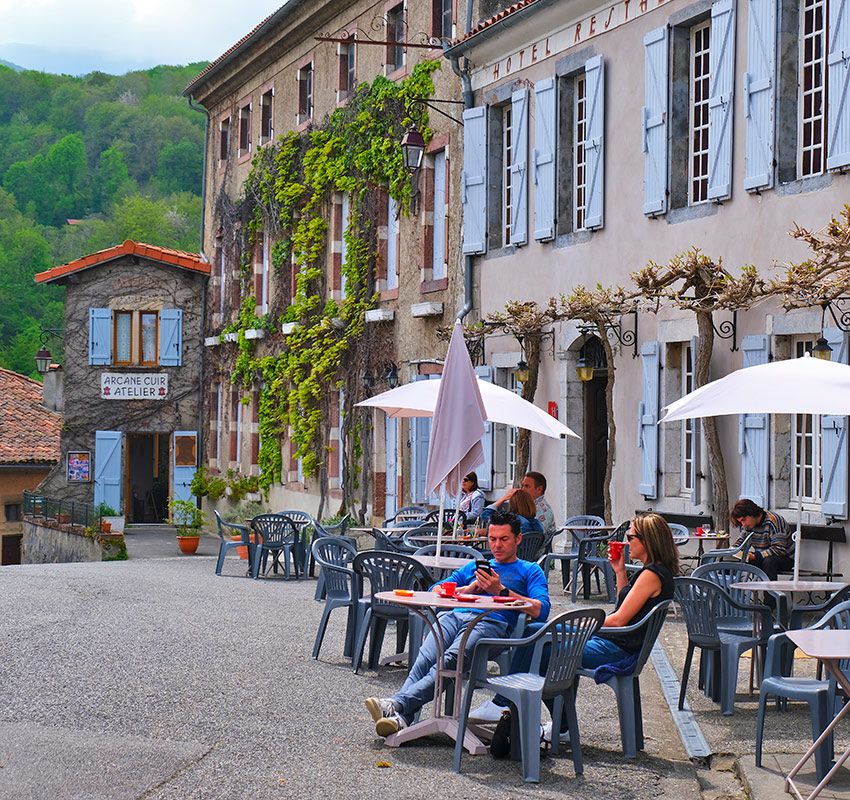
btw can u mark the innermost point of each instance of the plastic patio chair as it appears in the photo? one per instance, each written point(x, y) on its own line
point(531, 546)
point(384, 543)
point(320, 531)
point(302, 521)
point(384, 571)
point(566, 636)
point(279, 536)
point(229, 544)
point(627, 687)
point(568, 557)
point(449, 515)
point(342, 587)
point(406, 514)
point(681, 535)
point(818, 694)
point(593, 556)
point(725, 573)
point(799, 612)
point(737, 552)
point(705, 604)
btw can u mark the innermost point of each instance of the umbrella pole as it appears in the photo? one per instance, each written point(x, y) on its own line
point(798, 534)
point(440, 518)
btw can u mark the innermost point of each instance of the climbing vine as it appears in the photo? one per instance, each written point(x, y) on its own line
point(289, 192)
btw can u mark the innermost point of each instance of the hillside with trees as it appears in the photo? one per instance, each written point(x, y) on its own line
point(86, 163)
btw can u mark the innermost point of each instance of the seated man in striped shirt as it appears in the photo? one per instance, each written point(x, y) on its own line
point(771, 548)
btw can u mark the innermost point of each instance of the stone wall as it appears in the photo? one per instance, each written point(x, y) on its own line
point(43, 545)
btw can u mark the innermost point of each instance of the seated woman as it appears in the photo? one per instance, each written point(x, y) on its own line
point(521, 504)
point(472, 498)
point(650, 542)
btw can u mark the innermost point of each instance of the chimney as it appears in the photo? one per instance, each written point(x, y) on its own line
point(53, 389)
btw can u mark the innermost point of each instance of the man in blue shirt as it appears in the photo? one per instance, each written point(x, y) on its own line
point(509, 576)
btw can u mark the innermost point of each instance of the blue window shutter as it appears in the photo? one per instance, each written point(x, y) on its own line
point(650, 353)
point(760, 93)
point(420, 435)
point(838, 85)
point(696, 470)
point(184, 462)
point(100, 336)
point(544, 159)
point(754, 431)
point(391, 450)
point(107, 468)
point(519, 167)
point(485, 471)
point(171, 337)
point(720, 99)
point(654, 126)
point(594, 144)
point(834, 442)
point(474, 180)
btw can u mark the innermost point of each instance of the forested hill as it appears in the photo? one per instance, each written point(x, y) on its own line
point(86, 163)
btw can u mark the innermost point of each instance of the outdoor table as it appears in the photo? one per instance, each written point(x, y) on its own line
point(427, 605)
point(472, 541)
point(706, 537)
point(790, 588)
point(828, 647)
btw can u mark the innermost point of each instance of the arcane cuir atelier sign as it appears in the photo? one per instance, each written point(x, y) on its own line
point(133, 386)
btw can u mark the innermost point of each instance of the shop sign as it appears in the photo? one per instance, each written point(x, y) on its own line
point(133, 385)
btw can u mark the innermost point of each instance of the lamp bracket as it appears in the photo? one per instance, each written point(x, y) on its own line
point(626, 337)
point(46, 334)
point(839, 312)
point(379, 26)
point(728, 329)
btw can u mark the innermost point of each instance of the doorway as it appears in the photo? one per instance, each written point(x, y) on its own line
point(595, 432)
point(147, 477)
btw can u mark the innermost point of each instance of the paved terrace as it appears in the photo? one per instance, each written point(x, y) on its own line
point(154, 679)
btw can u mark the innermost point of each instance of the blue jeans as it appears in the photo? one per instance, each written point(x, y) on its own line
point(418, 689)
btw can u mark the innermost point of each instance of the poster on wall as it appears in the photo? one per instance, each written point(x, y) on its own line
point(79, 466)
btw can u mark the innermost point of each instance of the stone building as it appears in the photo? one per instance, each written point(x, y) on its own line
point(29, 447)
point(281, 78)
point(132, 378)
point(604, 136)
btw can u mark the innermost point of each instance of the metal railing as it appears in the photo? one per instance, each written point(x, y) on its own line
point(63, 512)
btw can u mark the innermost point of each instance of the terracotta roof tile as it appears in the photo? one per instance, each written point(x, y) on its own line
point(165, 255)
point(30, 432)
point(505, 12)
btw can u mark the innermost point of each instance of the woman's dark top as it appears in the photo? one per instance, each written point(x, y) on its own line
point(632, 642)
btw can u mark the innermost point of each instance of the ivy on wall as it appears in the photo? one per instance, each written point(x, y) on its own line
point(290, 192)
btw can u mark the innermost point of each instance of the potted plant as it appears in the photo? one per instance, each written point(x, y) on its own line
point(112, 521)
point(188, 519)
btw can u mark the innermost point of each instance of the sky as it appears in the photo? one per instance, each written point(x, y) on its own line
point(115, 36)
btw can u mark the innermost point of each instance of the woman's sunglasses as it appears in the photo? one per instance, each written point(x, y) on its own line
point(632, 536)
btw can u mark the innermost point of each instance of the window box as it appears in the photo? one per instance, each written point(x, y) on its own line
point(233, 336)
point(288, 327)
point(255, 333)
point(380, 315)
point(212, 341)
point(426, 310)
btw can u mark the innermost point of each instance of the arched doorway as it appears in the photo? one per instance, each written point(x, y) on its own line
point(595, 431)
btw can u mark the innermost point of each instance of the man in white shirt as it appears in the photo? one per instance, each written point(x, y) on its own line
point(535, 484)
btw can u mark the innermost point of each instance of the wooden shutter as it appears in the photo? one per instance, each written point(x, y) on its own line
point(171, 337)
point(720, 99)
point(594, 143)
point(655, 121)
point(838, 85)
point(834, 442)
point(391, 441)
point(100, 336)
point(545, 130)
point(485, 471)
point(650, 353)
point(754, 431)
point(473, 180)
point(519, 167)
point(438, 261)
point(184, 462)
point(107, 468)
point(760, 93)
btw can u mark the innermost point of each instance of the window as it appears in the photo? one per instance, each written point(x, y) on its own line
point(689, 425)
point(123, 337)
point(266, 110)
point(245, 130)
point(222, 277)
point(439, 242)
point(805, 443)
point(150, 345)
point(13, 512)
point(395, 33)
point(347, 70)
point(392, 244)
point(135, 338)
point(442, 21)
point(579, 160)
point(305, 93)
point(511, 434)
point(812, 117)
point(507, 162)
point(698, 108)
point(224, 139)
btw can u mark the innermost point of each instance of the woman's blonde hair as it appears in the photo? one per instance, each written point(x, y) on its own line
point(657, 539)
point(521, 503)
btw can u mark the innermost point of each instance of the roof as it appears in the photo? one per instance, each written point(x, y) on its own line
point(30, 431)
point(175, 258)
point(505, 12)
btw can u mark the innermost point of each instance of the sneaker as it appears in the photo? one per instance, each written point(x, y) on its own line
point(393, 723)
point(546, 735)
point(486, 712)
point(379, 707)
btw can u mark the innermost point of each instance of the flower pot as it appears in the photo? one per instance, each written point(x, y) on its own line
point(188, 544)
point(117, 523)
point(105, 526)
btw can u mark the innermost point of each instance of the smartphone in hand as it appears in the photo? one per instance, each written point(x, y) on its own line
point(484, 566)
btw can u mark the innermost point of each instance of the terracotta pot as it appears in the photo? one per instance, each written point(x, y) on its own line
point(105, 526)
point(242, 550)
point(188, 544)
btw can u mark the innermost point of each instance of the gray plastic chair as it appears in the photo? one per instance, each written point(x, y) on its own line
point(384, 543)
point(228, 544)
point(302, 521)
point(820, 695)
point(705, 605)
point(279, 536)
point(718, 554)
point(342, 587)
point(799, 613)
point(406, 514)
point(566, 635)
point(627, 687)
point(568, 557)
point(725, 573)
point(681, 535)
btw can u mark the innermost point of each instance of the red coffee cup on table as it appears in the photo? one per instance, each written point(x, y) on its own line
point(448, 588)
point(615, 550)
point(700, 531)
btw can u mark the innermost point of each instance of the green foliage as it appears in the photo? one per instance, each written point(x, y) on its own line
point(186, 517)
point(205, 484)
point(105, 510)
point(240, 485)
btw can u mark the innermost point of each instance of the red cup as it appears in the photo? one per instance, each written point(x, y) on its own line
point(615, 550)
point(448, 588)
point(700, 531)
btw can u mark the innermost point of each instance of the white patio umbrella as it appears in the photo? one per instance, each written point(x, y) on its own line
point(791, 386)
